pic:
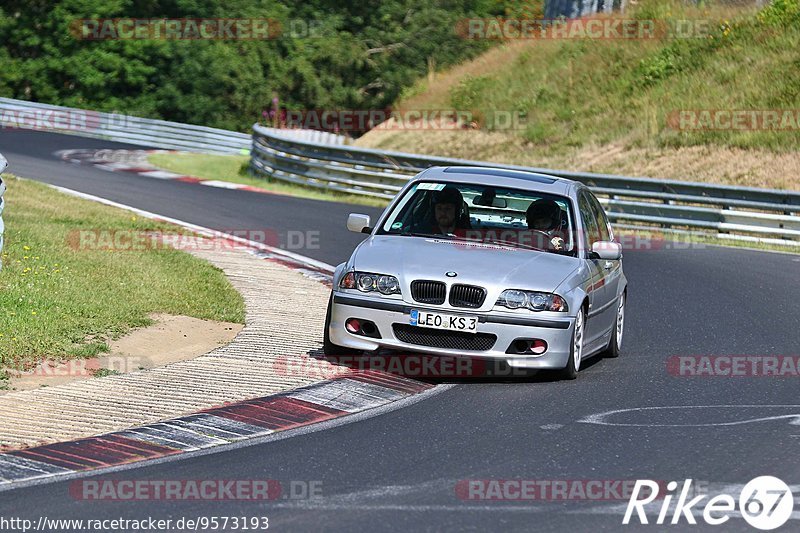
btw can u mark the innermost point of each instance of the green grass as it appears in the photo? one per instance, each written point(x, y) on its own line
point(60, 301)
point(234, 169)
point(579, 92)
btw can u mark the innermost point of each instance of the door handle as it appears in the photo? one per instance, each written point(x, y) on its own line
point(608, 265)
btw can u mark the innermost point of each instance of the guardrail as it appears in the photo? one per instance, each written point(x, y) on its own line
point(741, 213)
point(22, 114)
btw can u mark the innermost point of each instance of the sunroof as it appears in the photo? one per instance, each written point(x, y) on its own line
point(501, 173)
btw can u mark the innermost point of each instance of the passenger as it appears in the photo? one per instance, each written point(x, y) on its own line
point(544, 216)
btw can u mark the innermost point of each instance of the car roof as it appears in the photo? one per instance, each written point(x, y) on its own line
point(500, 177)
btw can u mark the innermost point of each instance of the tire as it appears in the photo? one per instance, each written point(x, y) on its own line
point(327, 346)
point(576, 348)
point(615, 343)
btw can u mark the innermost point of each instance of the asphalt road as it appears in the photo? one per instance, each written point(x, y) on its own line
point(399, 471)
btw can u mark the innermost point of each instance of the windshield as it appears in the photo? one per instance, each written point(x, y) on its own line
point(480, 213)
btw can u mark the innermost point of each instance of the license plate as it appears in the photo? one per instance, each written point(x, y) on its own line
point(425, 319)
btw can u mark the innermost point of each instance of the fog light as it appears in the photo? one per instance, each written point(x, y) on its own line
point(538, 347)
point(527, 347)
point(520, 346)
point(352, 325)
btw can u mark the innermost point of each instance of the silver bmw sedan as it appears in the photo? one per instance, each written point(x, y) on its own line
point(488, 263)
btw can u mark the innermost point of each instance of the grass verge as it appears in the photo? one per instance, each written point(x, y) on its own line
point(60, 301)
point(234, 169)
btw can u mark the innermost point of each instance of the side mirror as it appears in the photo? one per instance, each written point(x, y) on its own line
point(358, 223)
point(610, 251)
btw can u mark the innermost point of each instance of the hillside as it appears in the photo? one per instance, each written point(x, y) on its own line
point(615, 105)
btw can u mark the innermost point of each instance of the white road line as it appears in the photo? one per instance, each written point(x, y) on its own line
point(159, 174)
point(112, 167)
point(222, 184)
point(602, 418)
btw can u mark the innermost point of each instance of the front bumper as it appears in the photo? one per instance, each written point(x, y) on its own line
point(506, 327)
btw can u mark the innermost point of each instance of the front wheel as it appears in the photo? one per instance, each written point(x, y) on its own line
point(615, 344)
point(327, 346)
point(576, 349)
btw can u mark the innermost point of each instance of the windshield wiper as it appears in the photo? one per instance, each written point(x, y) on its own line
point(512, 244)
point(501, 242)
point(434, 235)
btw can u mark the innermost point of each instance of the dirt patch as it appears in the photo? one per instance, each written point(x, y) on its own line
point(170, 339)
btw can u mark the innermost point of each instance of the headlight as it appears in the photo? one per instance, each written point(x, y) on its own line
point(367, 282)
point(513, 299)
point(535, 301)
point(388, 285)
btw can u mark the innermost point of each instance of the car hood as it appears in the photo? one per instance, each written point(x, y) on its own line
point(486, 265)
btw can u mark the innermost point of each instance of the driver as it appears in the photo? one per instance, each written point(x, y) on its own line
point(447, 207)
point(544, 216)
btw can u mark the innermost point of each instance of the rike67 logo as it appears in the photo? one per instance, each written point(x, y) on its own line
point(765, 503)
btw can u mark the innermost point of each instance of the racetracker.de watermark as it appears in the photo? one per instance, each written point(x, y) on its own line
point(728, 366)
point(81, 368)
point(121, 490)
point(215, 29)
point(590, 28)
point(548, 489)
point(734, 120)
point(561, 240)
point(112, 240)
point(406, 365)
point(362, 120)
point(77, 120)
point(654, 242)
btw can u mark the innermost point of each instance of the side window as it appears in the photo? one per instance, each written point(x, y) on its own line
point(602, 219)
point(590, 229)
